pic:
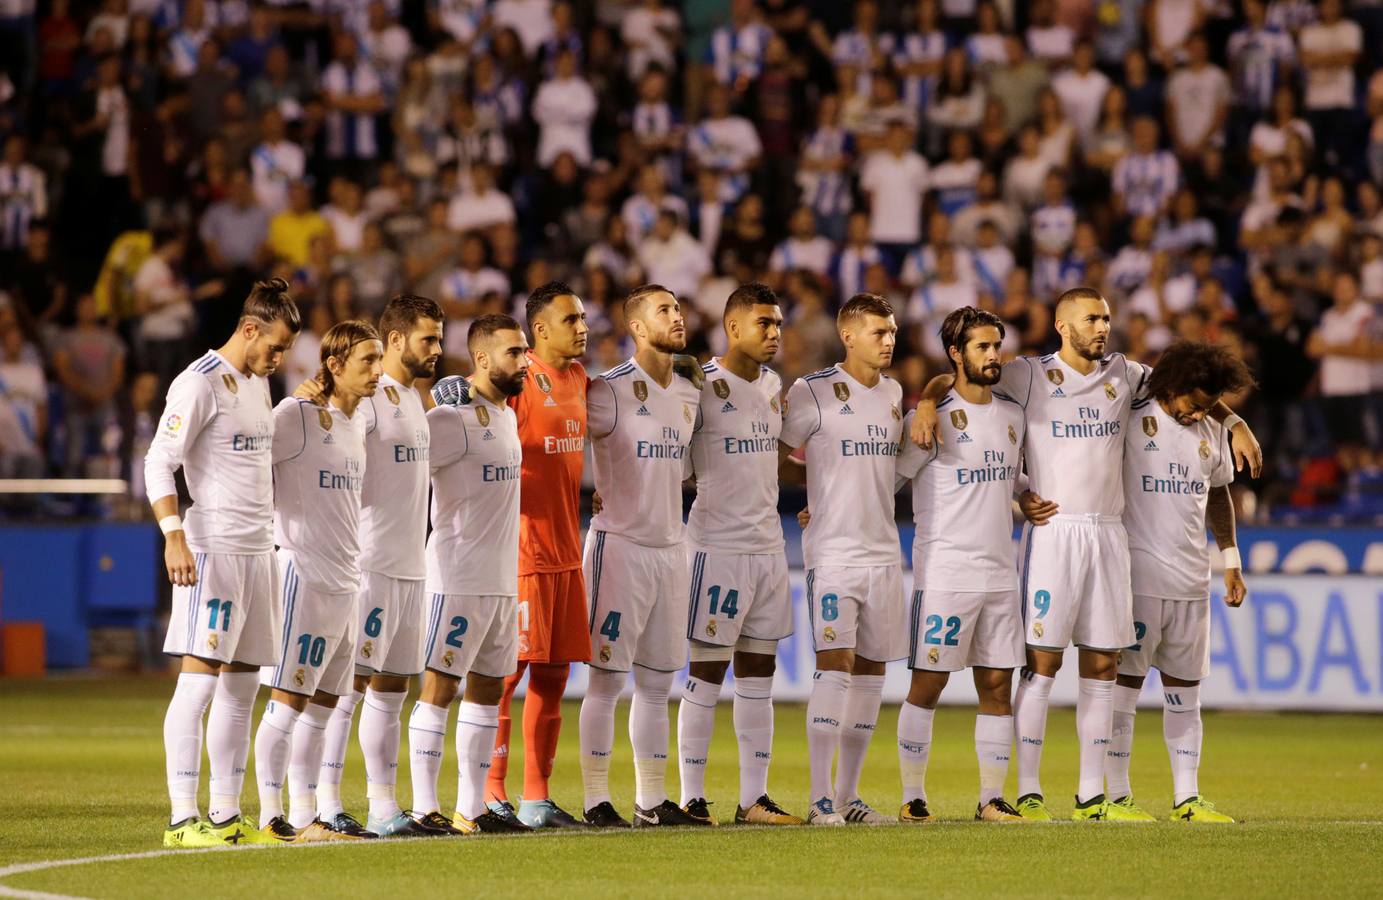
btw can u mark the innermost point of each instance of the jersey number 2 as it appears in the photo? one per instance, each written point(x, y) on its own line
point(934, 626)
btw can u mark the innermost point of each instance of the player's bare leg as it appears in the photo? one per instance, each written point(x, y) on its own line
point(476, 723)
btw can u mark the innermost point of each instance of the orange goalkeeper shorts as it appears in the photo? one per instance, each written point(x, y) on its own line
point(552, 618)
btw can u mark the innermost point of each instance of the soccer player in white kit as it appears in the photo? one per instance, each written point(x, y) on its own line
point(319, 472)
point(640, 415)
point(849, 421)
point(740, 600)
point(392, 608)
point(472, 574)
point(1075, 567)
point(966, 609)
point(218, 425)
point(1177, 471)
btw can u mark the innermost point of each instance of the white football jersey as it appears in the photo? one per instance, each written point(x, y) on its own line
point(1169, 469)
point(218, 424)
point(1076, 425)
point(319, 472)
point(641, 435)
point(393, 510)
point(962, 496)
point(476, 457)
point(735, 459)
point(851, 434)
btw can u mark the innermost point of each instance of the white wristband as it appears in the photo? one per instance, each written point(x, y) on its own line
point(1233, 420)
point(170, 524)
point(1231, 558)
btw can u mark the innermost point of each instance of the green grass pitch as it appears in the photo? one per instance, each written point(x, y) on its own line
point(81, 775)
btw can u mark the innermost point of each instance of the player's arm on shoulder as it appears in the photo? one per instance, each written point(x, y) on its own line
point(311, 390)
point(447, 440)
point(1241, 439)
point(190, 406)
point(923, 430)
point(689, 368)
point(911, 457)
point(1219, 513)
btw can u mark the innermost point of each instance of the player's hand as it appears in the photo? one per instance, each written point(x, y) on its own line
point(454, 390)
point(804, 517)
point(596, 503)
point(688, 368)
point(924, 422)
point(1235, 589)
point(1245, 448)
point(1035, 509)
point(313, 391)
point(182, 567)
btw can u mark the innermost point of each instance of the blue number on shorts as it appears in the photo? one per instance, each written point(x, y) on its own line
point(610, 628)
point(1139, 630)
point(311, 650)
point(934, 626)
point(1043, 601)
point(729, 606)
point(830, 608)
point(458, 631)
point(373, 625)
point(221, 607)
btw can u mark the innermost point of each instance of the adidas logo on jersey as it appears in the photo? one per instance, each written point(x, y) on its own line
point(728, 407)
point(643, 411)
point(846, 410)
point(328, 439)
point(548, 401)
point(1058, 393)
point(1152, 445)
point(487, 436)
point(963, 439)
point(398, 413)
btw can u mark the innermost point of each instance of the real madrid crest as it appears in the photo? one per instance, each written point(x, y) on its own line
point(482, 415)
point(213, 640)
point(842, 391)
point(722, 388)
point(1109, 391)
point(1150, 426)
point(300, 677)
point(829, 634)
point(1055, 376)
point(324, 418)
point(605, 653)
point(448, 658)
point(367, 649)
point(711, 628)
point(544, 383)
point(231, 384)
point(392, 393)
point(641, 390)
point(1037, 629)
point(958, 419)
point(1205, 450)
point(933, 655)
point(1012, 436)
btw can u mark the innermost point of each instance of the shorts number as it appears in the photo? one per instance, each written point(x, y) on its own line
point(830, 607)
point(458, 631)
point(311, 650)
point(523, 615)
point(1043, 601)
point(610, 628)
point(1140, 630)
point(373, 623)
point(221, 608)
point(729, 606)
point(934, 636)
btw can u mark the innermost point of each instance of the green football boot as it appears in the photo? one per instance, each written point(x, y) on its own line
point(1096, 809)
point(240, 830)
point(1033, 808)
point(1125, 810)
point(190, 833)
point(1198, 809)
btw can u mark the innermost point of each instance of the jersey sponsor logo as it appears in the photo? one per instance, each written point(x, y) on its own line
point(173, 424)
point(1056, 376)
point(842, 390)
point(958, 419)
point(230, 382)
point(722, 388)
point(1205, 449)
point(1012, 436)
point(1058, 392)
point(846, 410)
point(1150, 426)
point(1151, 445)
point(482, 415)
point(641, 390)
point(728, 407)
point(392, 393)
point(643, 411)
point(324, 418)
point(544, 383)
point(1109, 391)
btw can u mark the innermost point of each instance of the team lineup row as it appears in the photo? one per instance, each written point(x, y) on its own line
point(358, 598)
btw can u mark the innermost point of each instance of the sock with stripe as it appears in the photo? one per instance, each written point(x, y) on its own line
point(1118, 757)
point(825, 709)
point(696, 719)
point(1181, 729)
point(427, 731)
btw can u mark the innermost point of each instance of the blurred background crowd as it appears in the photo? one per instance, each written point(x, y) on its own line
point(1215, 167)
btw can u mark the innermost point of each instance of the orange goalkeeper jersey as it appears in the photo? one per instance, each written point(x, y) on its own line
point(552, 426)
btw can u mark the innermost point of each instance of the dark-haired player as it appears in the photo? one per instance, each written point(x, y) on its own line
point(741, 604)
point(966, 609)
point(1177, 471)
point(218, 426)
point(849, 421)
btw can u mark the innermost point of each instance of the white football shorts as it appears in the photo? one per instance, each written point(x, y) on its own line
point(955, 629)
point(1075, 578)
point(1171, 635)
point(738, 594)
point(317, 643)
point(473, 633)
point(392, 616)
point(232, 614)
point(860, 608)
point(638, 599)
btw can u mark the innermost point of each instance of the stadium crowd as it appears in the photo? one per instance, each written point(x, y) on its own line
point(1215, 168)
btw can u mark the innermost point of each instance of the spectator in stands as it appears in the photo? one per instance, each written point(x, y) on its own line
point(1329, 50)
point(23, 402)
point(293, 230)
point(1345, 343)
point(89, 359)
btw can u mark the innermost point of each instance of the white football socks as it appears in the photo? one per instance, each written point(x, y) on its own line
point(1119, 756)
point(379, 741)
point(825, 710)
point(993, 740)
point(182, 741)
point(1030, 719)
point(696, 719)
point(597, 727)
point(856, 731)
point(305, 763)
point(914, 746)
point(1181, 729)
point(754, 731)
point(427, 731)
point(1094, 722)
point(334, 743)
point(476, 725)
point(228, 741)
point(272, 741)
point(648, 735)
